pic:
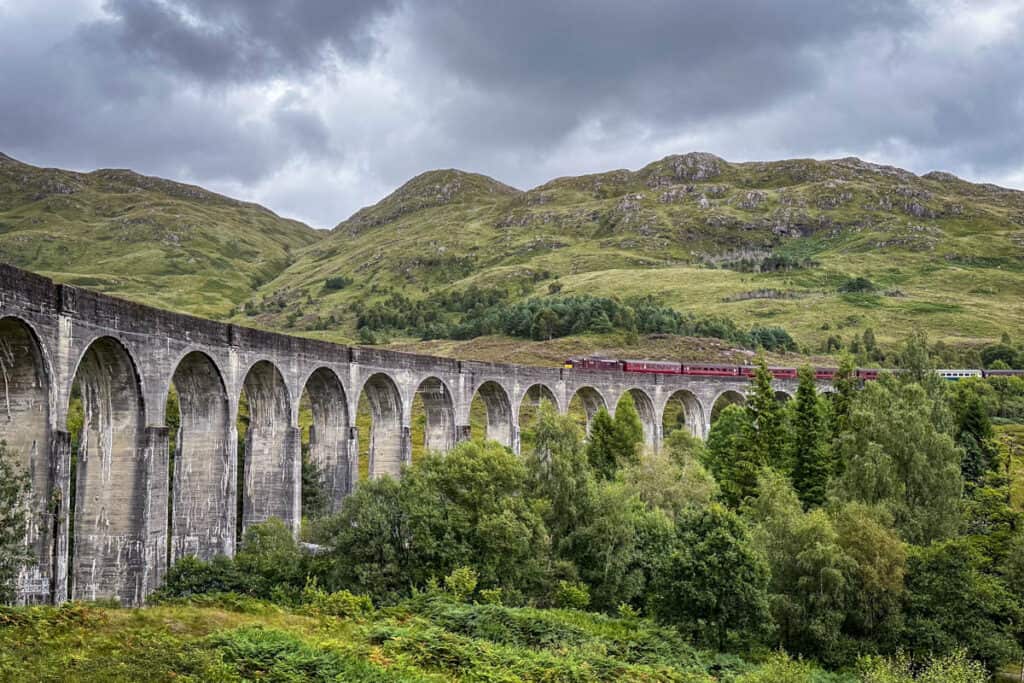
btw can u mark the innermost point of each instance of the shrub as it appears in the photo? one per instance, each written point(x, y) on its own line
point(571, 595)
point(461, 582)
point(337, 604)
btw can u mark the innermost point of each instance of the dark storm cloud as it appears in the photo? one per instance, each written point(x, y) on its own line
point(316, 108)
point(237, 40)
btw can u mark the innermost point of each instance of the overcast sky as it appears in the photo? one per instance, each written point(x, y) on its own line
point(317, 108)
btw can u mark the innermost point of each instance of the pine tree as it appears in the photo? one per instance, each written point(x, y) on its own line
point(766, 438)
point(601, 444)
point(729, 455)
point(845, 385)
point(811, 466)
point(977, 439)
point(629, 430)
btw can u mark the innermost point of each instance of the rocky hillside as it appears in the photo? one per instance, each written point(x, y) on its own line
point(773, 243)
point(148, 239)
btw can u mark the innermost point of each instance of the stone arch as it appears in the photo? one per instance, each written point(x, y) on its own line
point(25, 427)
point(329, 434)
point(526, 413)
point(389, 437)
point(270, 469)
point(591, 400)
point(782, 396)
point(205, 453)
point(111, 470)
point(683, 408)
point(723, 399)
point(439, 409)
point(648, 415)
point(498, 407)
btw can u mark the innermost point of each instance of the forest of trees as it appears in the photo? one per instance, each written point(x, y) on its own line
point(475, 312)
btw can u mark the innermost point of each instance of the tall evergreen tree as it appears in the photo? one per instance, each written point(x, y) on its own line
point(766, 437)
point(629, 430)
point(977, 439)
point(602, 444)
point(730, 457)
point(811, 467)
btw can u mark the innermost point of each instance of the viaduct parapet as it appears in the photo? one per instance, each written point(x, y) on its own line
point(123, 358)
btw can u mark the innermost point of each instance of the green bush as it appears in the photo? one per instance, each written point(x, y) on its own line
point(461, 582)
point(571, 595)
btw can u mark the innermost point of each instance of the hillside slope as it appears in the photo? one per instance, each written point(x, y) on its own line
point(770, 243)
point(156, 241)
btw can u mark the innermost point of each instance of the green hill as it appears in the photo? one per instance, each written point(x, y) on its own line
point(164, 243)
point(820, 248)
point(772, 244)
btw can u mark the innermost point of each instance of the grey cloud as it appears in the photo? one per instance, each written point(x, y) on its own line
point(237, 40)
point(318, 108)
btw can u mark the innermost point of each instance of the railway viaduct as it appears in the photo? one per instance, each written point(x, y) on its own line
point(124, 357)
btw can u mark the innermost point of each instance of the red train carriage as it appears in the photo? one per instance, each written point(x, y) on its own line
point(711, 370)
point(652, 366)
point(1003, 373)
point(783, 373)
point(868, 373)
point(604, 364)
point(825, 373)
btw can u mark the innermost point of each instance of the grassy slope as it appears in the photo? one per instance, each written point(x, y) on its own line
point(163, 243)
point(946, 254)
point(434, 642)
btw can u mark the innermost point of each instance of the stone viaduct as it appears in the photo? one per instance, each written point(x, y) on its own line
point(100, 527)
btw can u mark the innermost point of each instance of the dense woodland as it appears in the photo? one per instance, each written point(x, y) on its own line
point(869, 533)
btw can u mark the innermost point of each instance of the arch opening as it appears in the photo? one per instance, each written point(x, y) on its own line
point(683, 411)
point(25, 428)
point(108, 543)
point(326, 469)
point(529, 408)
point(202, 461)
point(432, 418)
point(584, 405)
point(269, 464)
point(648, 416)
point(782, 396)
point(383, 437)
point(725, 399)
point(491, 414)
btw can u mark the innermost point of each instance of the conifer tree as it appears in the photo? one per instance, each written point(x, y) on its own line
point(845, 384)
point(976, 438)
point(811, 467)
point(766, 438)
point(729, 456)
point(602, 443)
point(629, 430)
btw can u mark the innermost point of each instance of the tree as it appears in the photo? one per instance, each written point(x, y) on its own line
point(765, 413)
point(811, 466)
point(845, 385)
point(558, 472)
point(712, 584)
point(669, 484)
point(629, 429)
point(896, 457)
point(602, 443)
point(730, 458)
point(978, 441)
point(952, 602)
point(810, 573)
point(615, 547)
point(14, 519)
point(467, 508)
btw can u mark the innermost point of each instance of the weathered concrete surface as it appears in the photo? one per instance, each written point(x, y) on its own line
point(125, 357)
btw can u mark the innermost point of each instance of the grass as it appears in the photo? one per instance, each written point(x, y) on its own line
point(227, 638)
